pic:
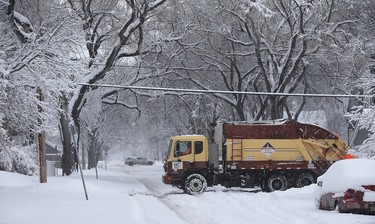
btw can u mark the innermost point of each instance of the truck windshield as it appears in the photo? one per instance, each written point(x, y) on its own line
point(169, 148)
point(182, 148)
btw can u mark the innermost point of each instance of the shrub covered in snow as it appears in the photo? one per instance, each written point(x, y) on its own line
point(20, 159)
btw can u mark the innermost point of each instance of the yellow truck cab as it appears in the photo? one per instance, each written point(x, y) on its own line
point(186, 154)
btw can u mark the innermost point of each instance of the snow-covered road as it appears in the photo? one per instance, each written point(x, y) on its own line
point(135, 194)
point(221, 205)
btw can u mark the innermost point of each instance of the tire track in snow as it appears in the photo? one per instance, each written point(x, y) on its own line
point(154, 190)
point(162, 196)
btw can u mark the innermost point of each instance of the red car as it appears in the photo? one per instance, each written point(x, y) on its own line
point(348, 186)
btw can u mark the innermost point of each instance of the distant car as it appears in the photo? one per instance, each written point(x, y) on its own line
point(132, 160)
point(348, 186)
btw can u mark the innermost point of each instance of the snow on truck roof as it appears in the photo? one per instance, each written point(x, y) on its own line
point(348, 174)
point(187, 136)
point(277, 121)
point(280, 129)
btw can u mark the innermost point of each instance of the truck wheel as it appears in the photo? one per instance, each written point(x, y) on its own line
point(304, 179)
point(131, 163)
point(277, 182)
point(195, 184)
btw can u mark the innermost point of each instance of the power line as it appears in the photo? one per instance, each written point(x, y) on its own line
point(213, 70)
point(222, 91)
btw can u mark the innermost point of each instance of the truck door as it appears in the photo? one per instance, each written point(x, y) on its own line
point(182, 156)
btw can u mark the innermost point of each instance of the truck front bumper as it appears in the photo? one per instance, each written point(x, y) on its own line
point(167, 179)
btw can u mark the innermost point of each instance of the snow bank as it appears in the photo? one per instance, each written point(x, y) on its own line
point(14, 180)
point(115, 197)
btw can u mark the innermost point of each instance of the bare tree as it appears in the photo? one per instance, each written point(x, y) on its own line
point(266, 46)
point(129, 36)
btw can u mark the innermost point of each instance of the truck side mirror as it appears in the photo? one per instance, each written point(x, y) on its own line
point(320, 183)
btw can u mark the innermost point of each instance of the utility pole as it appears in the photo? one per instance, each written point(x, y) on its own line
point(42, 134)
point(83, 160)
point(41, 141)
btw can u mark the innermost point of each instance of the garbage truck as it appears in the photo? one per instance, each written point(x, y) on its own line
point(270, 155)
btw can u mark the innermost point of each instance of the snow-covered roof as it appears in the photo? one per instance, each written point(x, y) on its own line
point(52, 148)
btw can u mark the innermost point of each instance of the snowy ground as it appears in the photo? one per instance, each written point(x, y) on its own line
point(125, 194)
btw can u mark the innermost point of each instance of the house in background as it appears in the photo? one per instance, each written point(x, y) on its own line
point(53, 153)
point(53, 158)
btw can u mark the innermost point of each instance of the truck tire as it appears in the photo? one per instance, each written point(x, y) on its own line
point(277, 182)
point(131, 163)
point(304, 179)
point(195, 184)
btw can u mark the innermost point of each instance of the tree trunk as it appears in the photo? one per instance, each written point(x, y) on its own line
point(67, 160)
point(90, 159)
point(91, 155)
point(240, 112)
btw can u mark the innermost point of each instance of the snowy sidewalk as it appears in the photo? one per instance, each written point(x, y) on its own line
point(115, 198)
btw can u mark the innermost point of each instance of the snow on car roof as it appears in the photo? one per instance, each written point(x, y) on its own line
point(349, 173)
